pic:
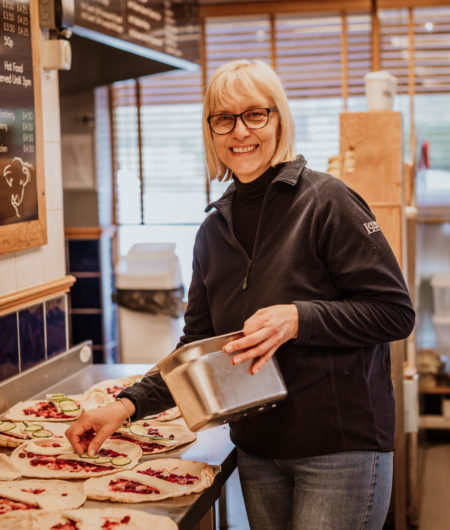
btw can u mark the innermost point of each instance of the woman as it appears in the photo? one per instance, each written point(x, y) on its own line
point(286, 256)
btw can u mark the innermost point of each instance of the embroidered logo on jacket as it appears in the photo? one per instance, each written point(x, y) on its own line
point(372, 227)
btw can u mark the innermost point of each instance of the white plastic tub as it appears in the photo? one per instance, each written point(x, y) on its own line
point(442, 327)
point(380, 90)
point(441, 294)
point(146, 337)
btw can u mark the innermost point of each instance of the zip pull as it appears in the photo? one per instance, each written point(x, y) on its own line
point(245, 282)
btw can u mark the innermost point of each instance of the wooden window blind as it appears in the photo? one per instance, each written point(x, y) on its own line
point(321, 58)
point(308, 54)
point(228, 38)
point(126, 153)
point(158, 146)
point(432, 50)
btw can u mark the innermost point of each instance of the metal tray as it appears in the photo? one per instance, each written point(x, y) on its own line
point(209, 390)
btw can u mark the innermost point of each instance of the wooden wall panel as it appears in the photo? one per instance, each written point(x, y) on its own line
point(374, 141)
point(390, 220)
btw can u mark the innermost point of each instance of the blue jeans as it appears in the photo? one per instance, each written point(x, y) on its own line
point(341, 491)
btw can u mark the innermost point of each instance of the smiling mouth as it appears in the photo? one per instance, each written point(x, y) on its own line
point(243, 149)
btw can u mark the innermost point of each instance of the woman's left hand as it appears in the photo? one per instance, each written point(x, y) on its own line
point(264, 332)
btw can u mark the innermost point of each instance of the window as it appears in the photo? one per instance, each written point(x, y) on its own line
point(321, 58)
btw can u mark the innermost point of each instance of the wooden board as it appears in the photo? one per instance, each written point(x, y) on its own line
point(22, 196)
point(375, 142)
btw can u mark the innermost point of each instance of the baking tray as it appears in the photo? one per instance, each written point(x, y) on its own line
point(209, 390)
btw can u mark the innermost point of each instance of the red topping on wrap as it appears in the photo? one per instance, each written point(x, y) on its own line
point(34, 491)
point(147, 447)
point(46, 409)
point(131, 486)
point(171, 477)
point(55, 463)
point(70, 525)
point(109, 523)
point(9, 505)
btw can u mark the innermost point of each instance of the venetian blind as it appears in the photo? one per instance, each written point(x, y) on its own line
point(126, 153)
point(321, 59)
point(228, 38)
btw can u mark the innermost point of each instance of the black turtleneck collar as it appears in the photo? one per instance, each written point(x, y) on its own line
point(247, 205)
point(252, 193)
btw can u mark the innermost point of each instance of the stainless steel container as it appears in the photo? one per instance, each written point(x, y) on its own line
point(209, 390)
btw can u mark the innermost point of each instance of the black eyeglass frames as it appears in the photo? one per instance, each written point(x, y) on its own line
point(255, 118)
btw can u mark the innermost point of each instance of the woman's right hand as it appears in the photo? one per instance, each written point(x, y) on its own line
point(91, 429)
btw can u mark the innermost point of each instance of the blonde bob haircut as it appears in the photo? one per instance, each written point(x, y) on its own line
point(246, 77)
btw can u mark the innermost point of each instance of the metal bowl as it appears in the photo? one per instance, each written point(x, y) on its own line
point(209, 390)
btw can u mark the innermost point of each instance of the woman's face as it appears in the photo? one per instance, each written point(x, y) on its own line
point(247, 152)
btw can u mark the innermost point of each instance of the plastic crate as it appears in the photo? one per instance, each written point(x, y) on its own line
point(441, 294)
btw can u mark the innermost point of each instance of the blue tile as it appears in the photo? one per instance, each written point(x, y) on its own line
point(9, 346)
point(31, 331)
point(86, 293)
point(84, 255)
point(55, 315)
point(87, 327)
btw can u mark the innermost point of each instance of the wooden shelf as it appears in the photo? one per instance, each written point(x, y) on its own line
point(432, 421)
point(436, 390)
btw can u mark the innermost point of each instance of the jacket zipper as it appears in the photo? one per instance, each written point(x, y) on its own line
point(250, 260)
point(245, 282)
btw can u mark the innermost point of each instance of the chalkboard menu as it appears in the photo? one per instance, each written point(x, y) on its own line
point(169, 27)
point(20, 170)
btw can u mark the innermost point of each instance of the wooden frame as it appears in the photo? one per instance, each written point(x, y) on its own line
point(20, 235)
point(36, 294)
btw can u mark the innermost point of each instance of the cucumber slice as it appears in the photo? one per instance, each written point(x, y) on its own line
point(32, 427)
point(1, 421)
point(42, 433)
point(85, 455)
point(56, 397)
point(138, 430)
point(102, 460)
point(7, 426)
point(120, 461)
point(68, 405)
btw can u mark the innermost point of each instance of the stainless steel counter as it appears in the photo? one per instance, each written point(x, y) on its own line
point(73, 374)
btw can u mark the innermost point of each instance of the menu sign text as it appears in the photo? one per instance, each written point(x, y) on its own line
point(18, 186)
point(167, 26)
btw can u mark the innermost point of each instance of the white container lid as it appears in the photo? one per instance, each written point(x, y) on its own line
point(383, 75)
point(441, 280)
point(149, 266)
point(441, 320)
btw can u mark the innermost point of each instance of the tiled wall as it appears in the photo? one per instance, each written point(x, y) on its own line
point(32, 335)
point(92, 313)
point(35, 333)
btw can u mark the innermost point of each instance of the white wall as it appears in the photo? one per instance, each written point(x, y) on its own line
point(38, 265)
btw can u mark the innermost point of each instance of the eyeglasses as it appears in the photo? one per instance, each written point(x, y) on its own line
point(256, 118)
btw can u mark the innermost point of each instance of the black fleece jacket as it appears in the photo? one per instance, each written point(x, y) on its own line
point(318, 246)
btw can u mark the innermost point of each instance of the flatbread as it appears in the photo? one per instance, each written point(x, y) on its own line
point(165, 415)
point(23, 431)
point(57, 459)
point(106, 391)
point(153, 480)
point(40, 495)
point(8, 471)
point(45, 410)
point(87, 519)
point(160, 437)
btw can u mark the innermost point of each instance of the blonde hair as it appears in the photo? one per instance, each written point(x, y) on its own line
point(251, 77)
